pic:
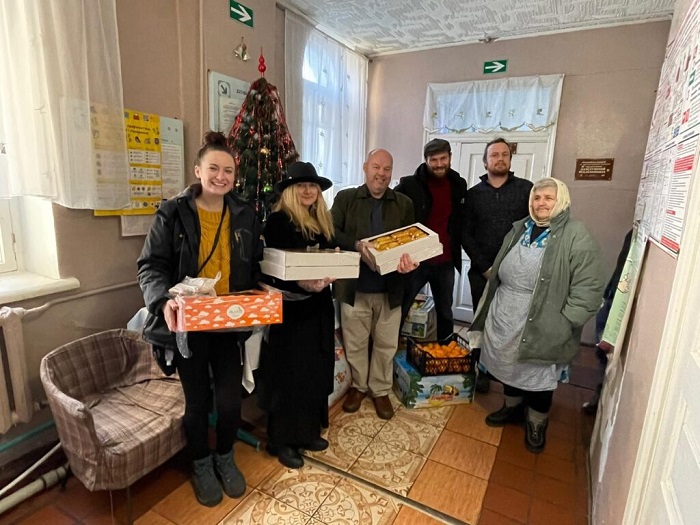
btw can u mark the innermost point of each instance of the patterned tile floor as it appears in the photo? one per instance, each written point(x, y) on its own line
point(422, 467)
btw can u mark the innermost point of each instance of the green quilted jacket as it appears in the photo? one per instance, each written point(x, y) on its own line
point(568, 292)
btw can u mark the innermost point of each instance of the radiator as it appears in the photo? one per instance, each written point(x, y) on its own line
point(15, 395)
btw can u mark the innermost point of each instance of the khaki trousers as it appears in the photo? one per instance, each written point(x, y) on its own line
point(371, 315)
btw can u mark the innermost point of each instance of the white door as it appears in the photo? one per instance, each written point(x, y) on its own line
point(665, 481)
point(530, 162)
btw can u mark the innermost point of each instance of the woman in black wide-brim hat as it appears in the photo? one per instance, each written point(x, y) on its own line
point(297, 365)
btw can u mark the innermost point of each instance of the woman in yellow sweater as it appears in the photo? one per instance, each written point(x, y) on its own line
point(201, 232)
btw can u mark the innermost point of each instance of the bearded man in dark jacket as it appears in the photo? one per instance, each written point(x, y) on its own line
point(438, 193)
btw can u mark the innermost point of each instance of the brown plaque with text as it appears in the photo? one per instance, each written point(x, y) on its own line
point(594, 169)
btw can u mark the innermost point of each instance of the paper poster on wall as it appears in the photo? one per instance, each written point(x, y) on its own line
point(172, 175)
point(109, 159)
point(677, 192)
point(615, 333)
point(620, 309)
point(155, 148)
point(135, 225)
point(226, 96)
point(672, 146)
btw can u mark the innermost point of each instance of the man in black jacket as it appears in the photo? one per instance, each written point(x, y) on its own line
point(492, 207)
point(438, 194)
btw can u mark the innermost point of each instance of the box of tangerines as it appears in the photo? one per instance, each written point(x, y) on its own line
point(417, 240)
point(450, 356)
point(416, 391)
point(249, 308)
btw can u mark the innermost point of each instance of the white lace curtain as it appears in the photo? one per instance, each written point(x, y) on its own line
point(485, 106)
point(325, 102)
point(61, 107)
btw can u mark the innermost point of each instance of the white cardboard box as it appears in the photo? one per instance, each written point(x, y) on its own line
point(296, 273)
point(293, 265)
point(420, 249)
point(311, 257)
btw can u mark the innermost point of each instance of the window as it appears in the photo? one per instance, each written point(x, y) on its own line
point(8, 260)
point(334, 110)
point(326, 103)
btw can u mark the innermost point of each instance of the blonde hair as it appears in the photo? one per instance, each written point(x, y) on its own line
point(563, 198)
point(312, 221)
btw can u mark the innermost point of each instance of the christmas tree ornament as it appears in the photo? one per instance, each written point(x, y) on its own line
point(241, 51)
point(261, 64)
point(264, 151)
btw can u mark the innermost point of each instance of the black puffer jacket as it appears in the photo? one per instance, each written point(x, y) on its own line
point(172, 248)
point(415, 187)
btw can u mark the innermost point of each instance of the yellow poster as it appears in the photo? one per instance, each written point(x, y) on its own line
point(143, 142)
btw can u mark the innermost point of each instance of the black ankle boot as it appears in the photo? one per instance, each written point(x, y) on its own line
point(317, 445)
point(290, 457)
point(535, 436)
point(506, 415)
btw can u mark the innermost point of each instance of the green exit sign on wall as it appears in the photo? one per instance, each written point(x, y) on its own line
point(241, 13)
point(495, 66)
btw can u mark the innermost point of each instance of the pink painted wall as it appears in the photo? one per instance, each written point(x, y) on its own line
point(609, 87)
point(640, 356)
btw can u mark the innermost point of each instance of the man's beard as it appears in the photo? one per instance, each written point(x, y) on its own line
point(499, 171)
point(442, 171)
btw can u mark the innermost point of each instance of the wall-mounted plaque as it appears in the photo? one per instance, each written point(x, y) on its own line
point(594, 169)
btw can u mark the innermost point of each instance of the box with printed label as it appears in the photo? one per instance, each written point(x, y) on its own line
point(237, 310)
point(293, 265)
point(415, 391)
point(421, 320)
point(417, 240)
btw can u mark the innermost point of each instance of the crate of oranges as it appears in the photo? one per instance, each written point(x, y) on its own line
point(450, 356)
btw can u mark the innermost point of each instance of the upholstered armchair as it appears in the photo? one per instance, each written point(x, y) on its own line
point(118, 417)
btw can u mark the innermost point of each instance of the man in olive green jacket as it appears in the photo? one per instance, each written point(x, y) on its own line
point(569, 292)
point(371, 304)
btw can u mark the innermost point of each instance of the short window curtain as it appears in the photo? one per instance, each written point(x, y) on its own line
point(486, 106)
point(61, 109)
point(326, 98)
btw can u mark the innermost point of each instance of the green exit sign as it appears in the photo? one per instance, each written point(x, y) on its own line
point(495, 66)
point(241, 13)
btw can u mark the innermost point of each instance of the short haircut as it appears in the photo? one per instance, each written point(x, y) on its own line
point(499, 140)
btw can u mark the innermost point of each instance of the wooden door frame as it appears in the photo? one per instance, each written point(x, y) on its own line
point(549, 136)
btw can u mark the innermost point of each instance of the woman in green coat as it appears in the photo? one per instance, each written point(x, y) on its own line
point(546, 283)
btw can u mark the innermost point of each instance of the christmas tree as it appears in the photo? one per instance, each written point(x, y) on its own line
point(262, 145)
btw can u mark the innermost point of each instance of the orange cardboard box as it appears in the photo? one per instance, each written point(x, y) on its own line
point(241, 309)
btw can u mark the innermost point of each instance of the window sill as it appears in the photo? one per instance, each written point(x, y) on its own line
point(19, 286)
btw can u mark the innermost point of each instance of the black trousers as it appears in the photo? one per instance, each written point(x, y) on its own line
point(221, 351)
point(442, 282)
point(540, 401)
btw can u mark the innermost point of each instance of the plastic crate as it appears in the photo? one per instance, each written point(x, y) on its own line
point(427, 365)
